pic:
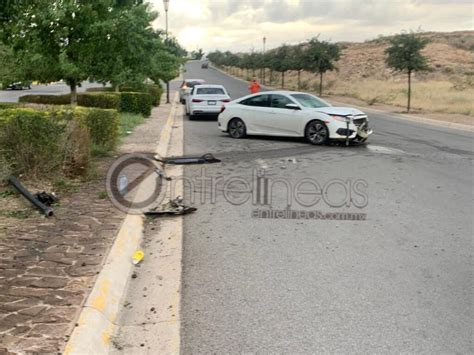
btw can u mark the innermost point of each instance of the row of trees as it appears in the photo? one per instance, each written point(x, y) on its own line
point(314, 56)
point(75, 40)
point(403, 54)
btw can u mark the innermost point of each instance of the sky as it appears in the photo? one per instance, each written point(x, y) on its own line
point(240, 25)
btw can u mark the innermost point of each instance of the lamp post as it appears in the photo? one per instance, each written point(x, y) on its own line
point(166, 4)
point(263, 60)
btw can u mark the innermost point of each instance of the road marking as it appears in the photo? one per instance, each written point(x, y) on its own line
point(384, 150)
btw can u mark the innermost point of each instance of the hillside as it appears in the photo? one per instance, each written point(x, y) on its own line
point(448, 87)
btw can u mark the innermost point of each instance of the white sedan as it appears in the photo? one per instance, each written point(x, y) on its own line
point(206, 100)
point(293, 114)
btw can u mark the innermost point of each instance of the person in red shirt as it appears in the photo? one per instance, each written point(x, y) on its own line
point(254, 86)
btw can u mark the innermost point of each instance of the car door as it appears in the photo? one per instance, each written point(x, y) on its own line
point(281, 120)
point(253, 112)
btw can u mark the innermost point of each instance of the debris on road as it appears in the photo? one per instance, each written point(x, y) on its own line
point(138, 257)
point(207, 158)
point(172, 207)
point(46, 210)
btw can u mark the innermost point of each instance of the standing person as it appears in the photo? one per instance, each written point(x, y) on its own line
point(254, 86)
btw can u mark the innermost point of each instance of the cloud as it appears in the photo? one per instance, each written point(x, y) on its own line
point(240, 25)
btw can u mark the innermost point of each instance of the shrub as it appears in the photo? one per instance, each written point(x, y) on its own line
point(136, 102)
point(8, 105)
point(104, 127)
point(106, 100)
point(155, 92)
point(39, 142)
point(100, 89)
point(101, 100)
point(46, 99)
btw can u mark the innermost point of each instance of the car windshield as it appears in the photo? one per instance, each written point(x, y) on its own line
point(306, 100)
point(210, 91)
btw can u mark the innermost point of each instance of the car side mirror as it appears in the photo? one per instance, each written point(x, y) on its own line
point(292, 106)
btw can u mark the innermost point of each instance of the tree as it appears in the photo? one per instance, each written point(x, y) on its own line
point(197, 55)
point(281, 61)
point(297, 61)
point(320, 57)
point(57, 40)
point(404, 54)
point(124, 57)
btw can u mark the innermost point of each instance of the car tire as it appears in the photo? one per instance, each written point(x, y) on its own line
point(236, 128)
point(317, 133)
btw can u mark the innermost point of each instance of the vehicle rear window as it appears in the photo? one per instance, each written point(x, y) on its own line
point(210, 91)
point(193, 83)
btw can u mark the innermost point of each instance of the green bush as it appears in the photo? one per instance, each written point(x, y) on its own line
point(8, 105)
point(37, 142)
point(104, 127)
point(100, 89)
point(106, 100)
point(46, 99)
point(136, 102)
point(102, 100)
point(155, 92)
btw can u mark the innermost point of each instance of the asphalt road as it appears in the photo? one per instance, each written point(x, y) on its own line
point(50, 89)
point(400, 281)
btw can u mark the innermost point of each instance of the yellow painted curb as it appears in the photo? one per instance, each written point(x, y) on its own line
point(96, 322)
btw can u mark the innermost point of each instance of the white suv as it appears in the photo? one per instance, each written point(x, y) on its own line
point(206, 100)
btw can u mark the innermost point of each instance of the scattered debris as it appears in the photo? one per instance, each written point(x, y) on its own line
point(46, 198)
point(138, 257)
point(204, 159)
point(172, 207)
point(134, 275)
point(46, 210)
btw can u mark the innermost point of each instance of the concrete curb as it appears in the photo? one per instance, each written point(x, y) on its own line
point(412, 118)
point(96, 322)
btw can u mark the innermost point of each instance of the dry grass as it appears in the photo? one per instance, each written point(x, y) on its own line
point(430, 96)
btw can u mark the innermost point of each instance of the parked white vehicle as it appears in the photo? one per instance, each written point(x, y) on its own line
point(293, 114)
point(206, 100)
point(186, 87)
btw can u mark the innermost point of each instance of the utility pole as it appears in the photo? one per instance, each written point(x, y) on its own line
point(166, 3)
point(263, 76)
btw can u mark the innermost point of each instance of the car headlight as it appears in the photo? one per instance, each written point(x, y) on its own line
point(341, 118)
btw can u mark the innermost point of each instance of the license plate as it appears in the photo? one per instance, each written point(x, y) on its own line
point(211, 102)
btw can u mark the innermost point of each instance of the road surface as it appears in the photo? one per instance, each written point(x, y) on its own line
point(399, 281)
point(50, 89)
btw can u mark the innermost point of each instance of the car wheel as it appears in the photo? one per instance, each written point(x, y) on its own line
point(317, 133)
point(237, 128)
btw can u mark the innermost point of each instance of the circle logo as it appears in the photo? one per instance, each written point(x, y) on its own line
point(135, 182)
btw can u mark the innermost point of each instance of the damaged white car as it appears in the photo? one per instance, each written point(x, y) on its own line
point(293, 114)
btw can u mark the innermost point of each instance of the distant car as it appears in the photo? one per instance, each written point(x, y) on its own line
point(293, 114)
point(205, 65)
point(186, 87)
point(19, 85)
point(206, 100)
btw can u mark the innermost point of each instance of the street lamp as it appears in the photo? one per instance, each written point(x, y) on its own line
point(263, 60)
point(166, 3)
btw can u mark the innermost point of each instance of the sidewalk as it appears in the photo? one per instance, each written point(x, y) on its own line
point(49, 266)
